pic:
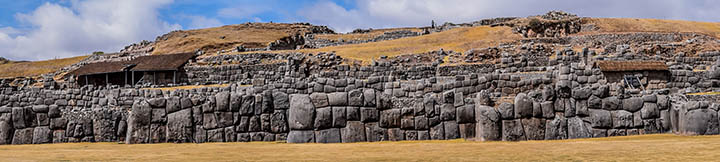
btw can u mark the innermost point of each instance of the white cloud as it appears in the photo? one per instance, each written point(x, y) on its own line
point(84, 27)
point(396, 13)
point(198, 22)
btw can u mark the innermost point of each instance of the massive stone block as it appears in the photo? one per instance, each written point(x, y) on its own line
point(301, 136)
point(632, 104)
point(42, 135)
point(375, 133)
point(278, 122)
point(323, 118)
point(301, 113)
point(139, 123)
point(534, 128)
point(23, 136)
point(447, 112)
point(488, 123)
point(338, 99)
point(390, 118)
point(451, 129)
point(622, 119)
point(368, 114)
point(280, 100)
point(180, 126)
point(650, 111)
point(506, 111)
point(355, 98)
point(600, 118)
point(578, 129)
point(523, 106)
point(222, 101)
point(611, 103)
point(699, 122)
point(512, 130)
point(369, 97)
point(556, 129)
point(339, 118)
point(331, 135)
point(353, 132)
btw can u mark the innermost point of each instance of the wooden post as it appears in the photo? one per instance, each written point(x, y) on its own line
point(132, 81)
point(86, 80)
point(107, 79)
point(125, 78)
point(174, 77)
point(154, 78)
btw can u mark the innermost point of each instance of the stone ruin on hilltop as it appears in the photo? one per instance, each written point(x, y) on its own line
point(534, 89)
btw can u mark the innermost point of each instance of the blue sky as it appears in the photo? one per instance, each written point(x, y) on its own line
point(47, 29)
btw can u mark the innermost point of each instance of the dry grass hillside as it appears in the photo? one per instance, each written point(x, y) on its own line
point(363, 36)
point(654, 25)
point(458, 39)
point(661, 147)
point(36, 68)
point(250, 35)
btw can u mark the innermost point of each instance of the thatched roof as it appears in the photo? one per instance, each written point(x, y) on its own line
point(142, 63)
point(102, 68)
point(618, 66)
point(161, 62)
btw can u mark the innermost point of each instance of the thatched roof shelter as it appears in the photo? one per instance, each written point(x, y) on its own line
point(103, 68)
point(620, 66)
point(161, 62)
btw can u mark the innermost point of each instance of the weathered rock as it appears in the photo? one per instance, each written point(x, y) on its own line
point(353, 132)
point(523, 106)
point(512, 130)
point(548, 109)
point(338, 117)
point(506, 111)
point(280, 100)
point(41, 135)
point(301, 136)
point(278, 122)
point(301, 113)
point(338, 99)
point(395, 134)
point(318, 100)
point(437, 132)
point(23, 136)
point(466, 114)
point(451, 129)
point(534, 128)
point(368, 114)
point(577, 129)
point(369, 97)
point(180, 126)
point(355, 98)
point(612, 103)
point(650, 111)
point(622, 119)
point(488, 123)
point(699, 122)
point(448, 112)
point(374, 133)
point(331, 135)
point(139, 123)
point(353, 113)
point(222, 101)
point(600, 118)
point(632, 104)
point(581, 93)
point(390, 118)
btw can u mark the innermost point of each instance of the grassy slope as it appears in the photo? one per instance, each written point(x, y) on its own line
point(253, 35)
point(364, 36)
point(655, 25)
point(663, 147)
point(36, 68)
point(459, 39)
